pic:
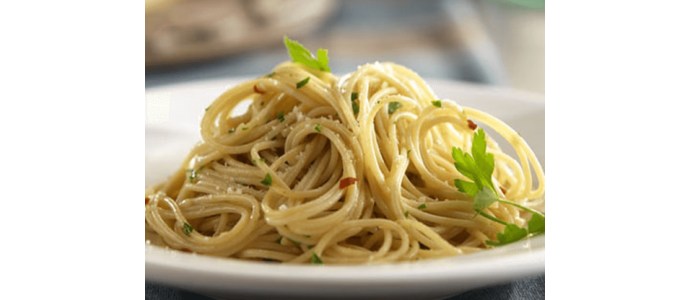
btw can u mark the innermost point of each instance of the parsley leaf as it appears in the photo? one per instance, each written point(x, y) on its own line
point(422, 206)
point(302, 55)
point(393, 106)
point(537, 223)
point(478, 167)
point(484, 198)
point(512, 233)
point(317, 128)
point(436, 103)
point(281, 117)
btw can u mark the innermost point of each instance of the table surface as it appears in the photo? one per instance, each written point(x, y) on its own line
point(528, 288)
point(430, 37)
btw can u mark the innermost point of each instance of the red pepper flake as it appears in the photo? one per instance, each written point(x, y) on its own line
point(503, 190)
point(147, 200)
point(345, 182)
point(256, 89)
point(471, 124)
point(185, 250)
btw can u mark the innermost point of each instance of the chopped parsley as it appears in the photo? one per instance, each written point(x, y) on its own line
point(407, 213)
point(280, 116)
point(422, 206)
point(393, 106)
point(317, 128)
point(355, 105)
point(303, 82)
point(245, 128)
point(269, 75)
point(231, 131)
point(194, 173)
point(302, 55)
point(436, 103)
point(207, 108)
point(267, 181)
point(295, 242)
point(315, 259)
point(188, 229)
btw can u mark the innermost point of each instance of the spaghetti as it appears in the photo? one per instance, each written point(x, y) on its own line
point(338, 170)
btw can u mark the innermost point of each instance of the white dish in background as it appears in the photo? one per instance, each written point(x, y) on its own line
point(167, 143)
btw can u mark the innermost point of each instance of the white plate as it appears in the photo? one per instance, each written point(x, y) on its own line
point(169, 141)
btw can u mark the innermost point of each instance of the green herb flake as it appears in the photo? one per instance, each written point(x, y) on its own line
point(245, 128)
point(354, 96)
point(422, 206)
point(303, 82)
point(436, 103)
point(207, 108)
point(302, 55)
point(188, 229)
point(267, 181)
point(279, 240)
point(393, 106)
point(281, 117)
point(295, 242)
point(317, 128)
point(310, 246)
point(315, 259)
point(269, 75)
point(355, 107)
point(407, 213)
point(231, 131)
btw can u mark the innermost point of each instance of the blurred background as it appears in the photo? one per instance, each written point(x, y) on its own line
point(491, 42)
